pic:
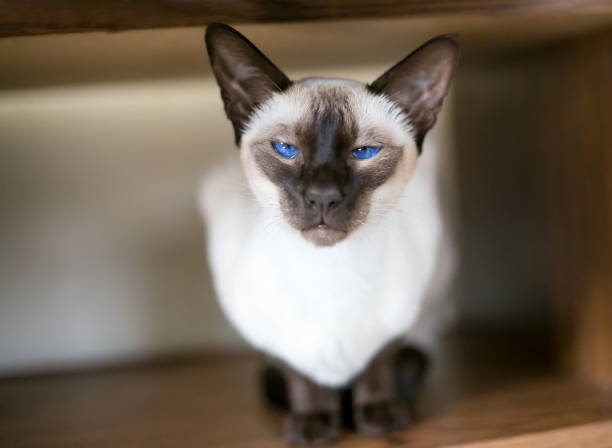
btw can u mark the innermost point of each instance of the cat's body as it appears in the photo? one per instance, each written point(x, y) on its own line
point(326, 311)
point(324, 237)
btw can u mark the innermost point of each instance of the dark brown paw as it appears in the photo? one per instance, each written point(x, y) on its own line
point(378, 419)
point(318, 428)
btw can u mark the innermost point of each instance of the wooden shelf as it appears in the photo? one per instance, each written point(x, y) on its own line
point(59, 16)
point(470, 396)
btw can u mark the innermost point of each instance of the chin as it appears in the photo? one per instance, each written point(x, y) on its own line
point(323, 236)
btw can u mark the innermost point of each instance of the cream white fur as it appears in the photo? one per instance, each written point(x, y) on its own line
point(326, 311)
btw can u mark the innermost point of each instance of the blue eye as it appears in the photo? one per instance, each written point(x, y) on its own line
point(285, 150)
point(366, 152)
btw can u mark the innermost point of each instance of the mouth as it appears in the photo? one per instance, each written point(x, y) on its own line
point(323, 235)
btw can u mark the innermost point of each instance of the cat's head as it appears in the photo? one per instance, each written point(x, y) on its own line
point(325, 152)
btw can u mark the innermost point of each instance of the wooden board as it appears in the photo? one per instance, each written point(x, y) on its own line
point(19, 17)
point(596, 435)
point(470, 395)
point(535, 169)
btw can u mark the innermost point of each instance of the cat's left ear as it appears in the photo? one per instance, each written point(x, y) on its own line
point(246, 77)
point(419, 82)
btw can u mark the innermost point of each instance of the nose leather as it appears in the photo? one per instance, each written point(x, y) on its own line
point(323, 197)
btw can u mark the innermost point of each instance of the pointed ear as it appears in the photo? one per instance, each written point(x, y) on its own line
point(246, 77)
point(419, 82)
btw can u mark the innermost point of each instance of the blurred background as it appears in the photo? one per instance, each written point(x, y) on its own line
point(104, 136)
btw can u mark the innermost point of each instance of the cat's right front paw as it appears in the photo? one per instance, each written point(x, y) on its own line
point(318, 428)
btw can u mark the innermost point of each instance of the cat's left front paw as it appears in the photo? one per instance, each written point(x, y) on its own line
point(378, 419)
point(318, 428)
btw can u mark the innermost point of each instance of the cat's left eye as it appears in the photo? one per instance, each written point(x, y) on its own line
point(366, 152)
point(285, 149)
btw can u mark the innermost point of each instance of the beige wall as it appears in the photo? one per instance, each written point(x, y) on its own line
point(101, 244)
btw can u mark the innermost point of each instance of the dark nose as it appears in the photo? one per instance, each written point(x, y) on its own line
point(323, 197)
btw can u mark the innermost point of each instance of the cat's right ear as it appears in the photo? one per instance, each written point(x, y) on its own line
point(246, 76)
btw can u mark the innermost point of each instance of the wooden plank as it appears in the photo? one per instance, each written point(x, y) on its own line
point(575, 106)
point(469, 397)
point(22, 17)
point(535, 170)
point(594, 435)
point(592, 356)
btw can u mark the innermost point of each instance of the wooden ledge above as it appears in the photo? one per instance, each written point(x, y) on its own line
point(27, 17)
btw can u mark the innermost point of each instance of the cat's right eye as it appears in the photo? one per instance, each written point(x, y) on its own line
point(285, 150)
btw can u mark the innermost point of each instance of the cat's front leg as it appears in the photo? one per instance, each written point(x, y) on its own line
point(315, 415)
point(379, 406)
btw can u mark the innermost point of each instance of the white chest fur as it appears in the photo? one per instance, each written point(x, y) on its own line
point(326, 311)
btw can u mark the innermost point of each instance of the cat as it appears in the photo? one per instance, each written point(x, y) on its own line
point(324, 232)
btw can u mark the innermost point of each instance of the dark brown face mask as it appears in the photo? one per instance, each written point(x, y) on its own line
point(323, 194)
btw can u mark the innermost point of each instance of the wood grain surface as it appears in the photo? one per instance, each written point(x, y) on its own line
point(471, 394)
point(592, 435)
point(19, 17)
point(535, 170)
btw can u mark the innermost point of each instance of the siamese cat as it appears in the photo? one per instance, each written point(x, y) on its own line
point(324, 233)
